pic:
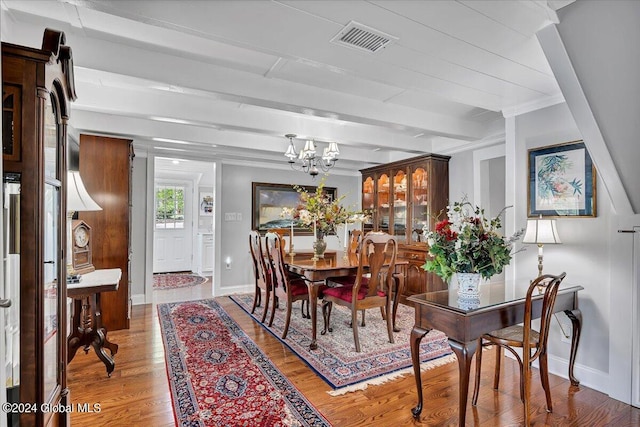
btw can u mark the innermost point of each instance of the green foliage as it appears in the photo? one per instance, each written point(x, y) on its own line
point(318, 208)
point(467, 242)
point(169, 203)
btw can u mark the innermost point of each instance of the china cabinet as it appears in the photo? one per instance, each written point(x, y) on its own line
point(37, 90)
point(405, 198)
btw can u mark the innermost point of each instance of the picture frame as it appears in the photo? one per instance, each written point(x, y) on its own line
point(205, 205)
point(562, 181)
point(269, 199)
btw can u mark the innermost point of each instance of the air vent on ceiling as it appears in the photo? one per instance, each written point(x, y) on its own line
point(361, 37)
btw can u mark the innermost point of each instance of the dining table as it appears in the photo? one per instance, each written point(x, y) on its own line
point(464, 321)
point(333, 264)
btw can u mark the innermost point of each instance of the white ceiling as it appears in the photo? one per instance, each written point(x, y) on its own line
point(232, 77)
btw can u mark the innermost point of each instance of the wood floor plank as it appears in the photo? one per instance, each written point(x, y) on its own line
point(137, 394)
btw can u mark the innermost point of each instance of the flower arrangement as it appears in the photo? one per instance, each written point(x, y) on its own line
point(467, 242)
point(316, 208)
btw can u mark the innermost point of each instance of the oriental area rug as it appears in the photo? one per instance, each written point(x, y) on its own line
point(336, 360)
point(176, 280)
point(219, 377)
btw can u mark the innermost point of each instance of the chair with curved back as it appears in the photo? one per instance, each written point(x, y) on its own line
point(261, 273)
point(355, 237)
point(284, 233)
point(285, 287)
point(372, 286)
point(526, 338)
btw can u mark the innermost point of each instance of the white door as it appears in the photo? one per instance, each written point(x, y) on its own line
point(173, 229)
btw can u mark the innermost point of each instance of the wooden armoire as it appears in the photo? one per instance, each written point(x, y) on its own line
point(37, 88)
point(105, 166)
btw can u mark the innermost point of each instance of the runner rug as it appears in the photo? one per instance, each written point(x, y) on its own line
point(176, 280)
point(336, 360)
point(219, 377)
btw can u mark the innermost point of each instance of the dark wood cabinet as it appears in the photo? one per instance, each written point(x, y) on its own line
point(105, 167)
point(37, 88)
point(406, 197)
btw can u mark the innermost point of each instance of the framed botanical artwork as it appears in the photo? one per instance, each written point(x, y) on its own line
point(562, 181)
point(268, 201)
point(206, 204)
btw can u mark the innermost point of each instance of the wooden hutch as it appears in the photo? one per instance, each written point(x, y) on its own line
point(37, 88)
point(405, 198)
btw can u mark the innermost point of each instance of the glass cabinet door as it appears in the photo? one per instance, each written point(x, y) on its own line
point(420, 204)
point(52, 249)
point(382, 210)
point(400, 205)
point(368, 202)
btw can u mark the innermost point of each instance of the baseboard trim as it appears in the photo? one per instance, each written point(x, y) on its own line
point(588, 377)
point(230, 290)
point(138, 299)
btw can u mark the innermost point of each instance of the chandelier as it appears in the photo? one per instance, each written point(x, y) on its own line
point(308, 161)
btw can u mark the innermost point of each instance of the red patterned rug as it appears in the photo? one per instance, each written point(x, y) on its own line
point(219, 377)
point(176, 280)
point(336, 360)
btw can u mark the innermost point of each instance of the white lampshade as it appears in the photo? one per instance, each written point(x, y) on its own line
point(541, 231)
point(291, 152)
point(78, 198)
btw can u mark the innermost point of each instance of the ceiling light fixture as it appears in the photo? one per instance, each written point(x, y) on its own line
point(308, 161)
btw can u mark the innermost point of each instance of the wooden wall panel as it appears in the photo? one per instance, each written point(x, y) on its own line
point(105, 167)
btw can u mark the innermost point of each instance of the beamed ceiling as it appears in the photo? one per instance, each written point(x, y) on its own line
point(228, 79)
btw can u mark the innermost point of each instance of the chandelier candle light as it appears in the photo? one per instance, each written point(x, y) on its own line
point(309, 162)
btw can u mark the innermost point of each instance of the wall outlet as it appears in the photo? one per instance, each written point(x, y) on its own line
point(565, 332)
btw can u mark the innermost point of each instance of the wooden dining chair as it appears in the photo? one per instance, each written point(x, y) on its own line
point(355, 238)
point(285, 287)
point(526, 338)
point(285, 233)
point(372, 286)
point(261, 273)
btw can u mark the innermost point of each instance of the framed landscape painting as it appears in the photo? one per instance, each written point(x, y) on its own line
point(562, 181)
point(268, 201)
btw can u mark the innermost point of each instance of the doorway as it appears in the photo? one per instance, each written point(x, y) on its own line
point(183, 230)
point(490, 188)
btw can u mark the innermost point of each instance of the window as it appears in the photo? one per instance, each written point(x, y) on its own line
point(169, 207)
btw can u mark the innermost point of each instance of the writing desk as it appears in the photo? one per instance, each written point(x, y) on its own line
point(87, 329)
point(463, 325)
point(334, 264)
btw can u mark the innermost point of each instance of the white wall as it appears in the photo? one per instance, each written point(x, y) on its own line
point(234, 196)
point(139, 213)
point(461, 176)
point(602, 43)
point(584, 254)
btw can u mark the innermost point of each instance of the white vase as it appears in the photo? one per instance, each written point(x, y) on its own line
point(469, 285)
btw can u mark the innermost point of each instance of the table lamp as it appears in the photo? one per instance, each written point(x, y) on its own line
point(78, 199)
point(541, 231)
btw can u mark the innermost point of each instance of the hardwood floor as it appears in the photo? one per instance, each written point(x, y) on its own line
point(137, 394)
